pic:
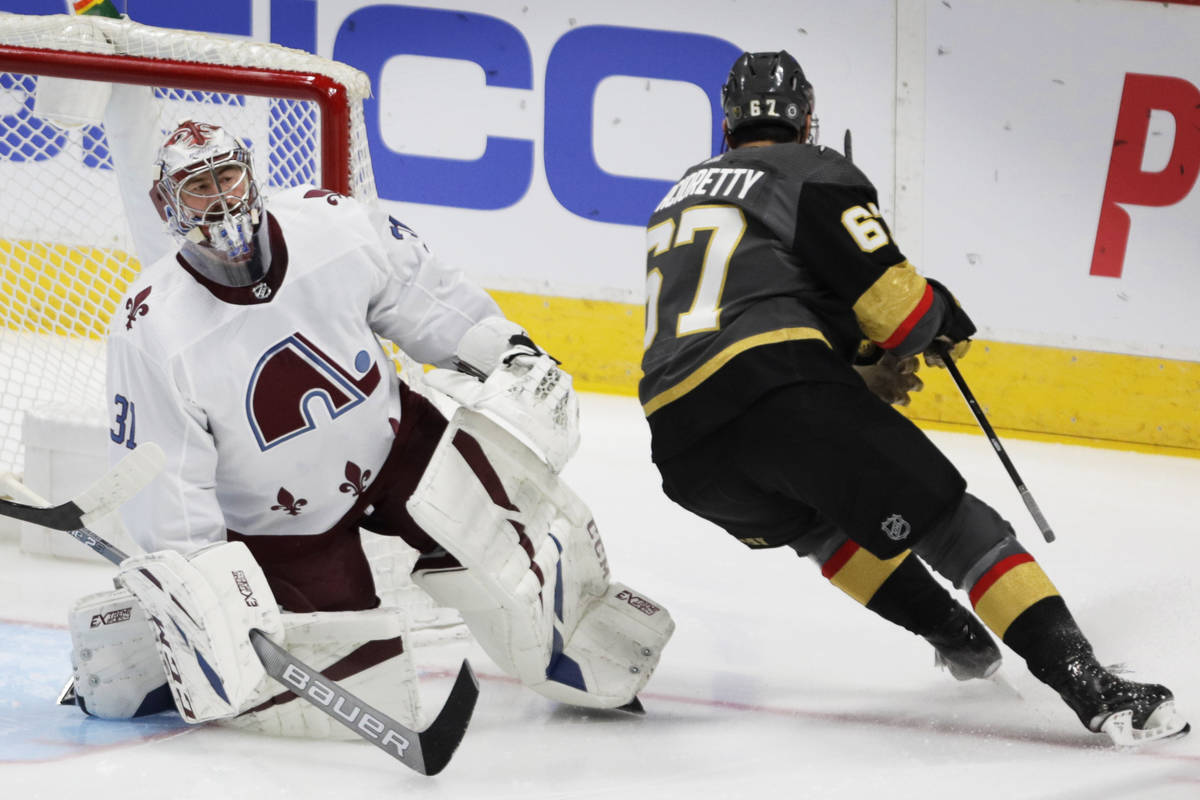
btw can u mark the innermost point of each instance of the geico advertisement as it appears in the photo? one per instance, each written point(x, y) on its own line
point(528, 142)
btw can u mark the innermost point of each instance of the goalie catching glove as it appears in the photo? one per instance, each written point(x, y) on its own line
point(505, 376)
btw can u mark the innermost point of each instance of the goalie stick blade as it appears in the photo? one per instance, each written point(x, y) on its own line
point(102, 498)
point(442, 737)
point(123, 481)
point(427, 755)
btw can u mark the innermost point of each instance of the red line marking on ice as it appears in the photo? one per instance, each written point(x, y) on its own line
point(91, 749)
point(1081, 741)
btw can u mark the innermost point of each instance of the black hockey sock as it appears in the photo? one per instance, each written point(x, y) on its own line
point(912, 599)
point(1047, 637)
point(900, 590)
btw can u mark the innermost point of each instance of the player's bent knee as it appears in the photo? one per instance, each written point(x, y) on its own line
point(973, 534)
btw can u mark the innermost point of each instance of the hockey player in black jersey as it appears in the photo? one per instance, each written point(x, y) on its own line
point(782, 319)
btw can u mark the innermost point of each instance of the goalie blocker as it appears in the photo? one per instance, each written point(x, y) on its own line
point(522, 561)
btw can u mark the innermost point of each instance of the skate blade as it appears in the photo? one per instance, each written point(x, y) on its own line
point(1163, 723)
point(962, 675)
point(67, 696)
point(1001, 680)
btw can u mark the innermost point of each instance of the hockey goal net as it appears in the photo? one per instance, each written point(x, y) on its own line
point(74, 218)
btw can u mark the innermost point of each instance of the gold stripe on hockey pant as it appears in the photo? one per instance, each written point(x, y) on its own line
point(709, 368)
point(1008, 589)
point(888, 305)
point(858, 573)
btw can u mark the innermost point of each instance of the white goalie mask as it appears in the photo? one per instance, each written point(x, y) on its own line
point(206, 194)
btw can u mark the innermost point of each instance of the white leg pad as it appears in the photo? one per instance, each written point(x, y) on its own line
point(365, 651)
point(611, 653)
point(118, 673)
point(533, 581)
point(202, 609)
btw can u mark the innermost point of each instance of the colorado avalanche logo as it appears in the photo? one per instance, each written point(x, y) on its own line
point(295, 373)
point(196, 134)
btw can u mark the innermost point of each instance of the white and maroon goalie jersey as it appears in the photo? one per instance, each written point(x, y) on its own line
point(275, 403)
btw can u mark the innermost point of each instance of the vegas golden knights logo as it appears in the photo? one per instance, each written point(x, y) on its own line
point(896, 528)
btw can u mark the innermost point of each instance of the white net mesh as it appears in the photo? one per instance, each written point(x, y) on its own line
point(67, 245)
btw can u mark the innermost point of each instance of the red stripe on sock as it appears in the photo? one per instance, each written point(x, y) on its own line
point(839, 559)
point(996, 573)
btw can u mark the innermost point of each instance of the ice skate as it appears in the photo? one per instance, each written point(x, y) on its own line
point(1129, 713)
point(963, 646)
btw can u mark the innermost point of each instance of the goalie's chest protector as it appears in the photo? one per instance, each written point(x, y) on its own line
point(300, 398)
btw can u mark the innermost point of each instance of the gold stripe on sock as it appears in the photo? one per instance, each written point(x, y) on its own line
point(863, 574)
point(1012, 587)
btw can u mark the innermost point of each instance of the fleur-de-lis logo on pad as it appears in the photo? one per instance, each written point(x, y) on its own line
point(137, 307)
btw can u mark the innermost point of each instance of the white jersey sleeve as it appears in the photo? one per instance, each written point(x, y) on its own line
point(180, 511)
point(425, 305)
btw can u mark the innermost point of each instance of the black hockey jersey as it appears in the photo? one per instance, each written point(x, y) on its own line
point(767, 266)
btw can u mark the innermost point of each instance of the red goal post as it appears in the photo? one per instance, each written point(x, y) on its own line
point(334, 98)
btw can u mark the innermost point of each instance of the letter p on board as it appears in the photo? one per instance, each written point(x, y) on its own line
point(1127, 183)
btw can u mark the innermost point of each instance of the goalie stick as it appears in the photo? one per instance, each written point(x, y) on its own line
point(102, 498)
point(427, 751)
point(943, 351)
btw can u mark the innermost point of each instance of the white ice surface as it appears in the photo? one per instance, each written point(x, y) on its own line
point(775, 685)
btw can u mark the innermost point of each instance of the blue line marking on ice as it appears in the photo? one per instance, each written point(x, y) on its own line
point(35, 662)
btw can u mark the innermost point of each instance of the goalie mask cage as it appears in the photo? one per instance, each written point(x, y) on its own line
point(68, 242)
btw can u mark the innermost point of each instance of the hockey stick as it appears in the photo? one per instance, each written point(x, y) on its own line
point(427, 752)
point(943, 351)
point(102, 498)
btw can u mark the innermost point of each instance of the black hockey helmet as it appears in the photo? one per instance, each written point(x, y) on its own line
point(766, 89)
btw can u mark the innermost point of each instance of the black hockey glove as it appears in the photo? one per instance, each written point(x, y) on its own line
point(957, 328)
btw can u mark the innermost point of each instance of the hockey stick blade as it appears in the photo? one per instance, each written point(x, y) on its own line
point(102, 498)
point(427, 752)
